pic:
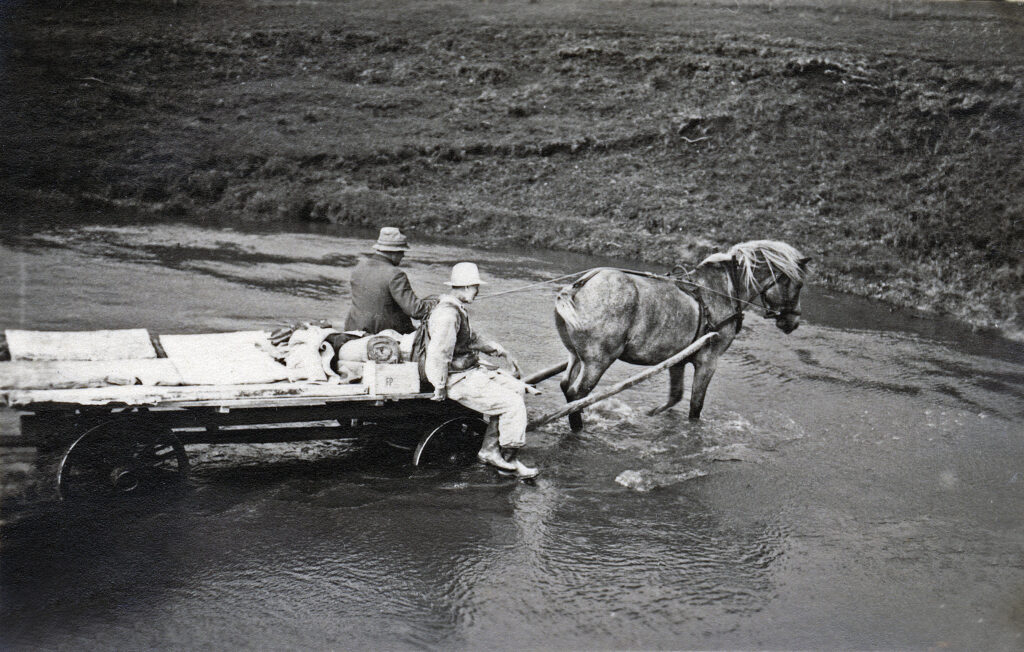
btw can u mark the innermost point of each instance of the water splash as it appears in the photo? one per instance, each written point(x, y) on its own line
point(610, 413)
point(644, 480)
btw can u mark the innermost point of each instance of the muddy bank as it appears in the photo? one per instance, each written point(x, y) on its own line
point(884, 138)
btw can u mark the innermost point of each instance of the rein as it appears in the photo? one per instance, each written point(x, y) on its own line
point(695, 289)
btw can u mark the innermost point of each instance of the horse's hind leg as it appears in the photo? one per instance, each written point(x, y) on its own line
point(572, 373)
point(703, 370)
point(676, 382)
point(585, 382)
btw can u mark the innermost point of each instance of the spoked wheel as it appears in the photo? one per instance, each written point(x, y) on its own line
point(120, 458)
point(453, 443)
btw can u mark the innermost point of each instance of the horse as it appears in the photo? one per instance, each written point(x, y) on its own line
point(641, 318)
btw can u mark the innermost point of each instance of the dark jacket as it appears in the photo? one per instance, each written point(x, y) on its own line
point(382, 298)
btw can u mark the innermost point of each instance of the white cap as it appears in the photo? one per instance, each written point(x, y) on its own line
point(464, 275)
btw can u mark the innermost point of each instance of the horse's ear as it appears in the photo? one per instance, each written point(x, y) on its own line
point(716, 258)
point(804, 261)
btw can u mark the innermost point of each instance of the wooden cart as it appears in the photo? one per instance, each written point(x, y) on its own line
point(122, 438)
point(111, 440)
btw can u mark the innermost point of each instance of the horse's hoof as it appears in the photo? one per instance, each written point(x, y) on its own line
point(575, 422)
point(657, 410)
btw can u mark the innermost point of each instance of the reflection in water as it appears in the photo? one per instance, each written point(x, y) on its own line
point(466, 561)
point(841, 479)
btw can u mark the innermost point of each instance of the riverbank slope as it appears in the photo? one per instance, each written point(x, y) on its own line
point(884, 139)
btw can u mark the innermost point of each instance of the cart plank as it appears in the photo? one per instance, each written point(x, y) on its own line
point(71, 374)
point(227, 395)
point(127, 344)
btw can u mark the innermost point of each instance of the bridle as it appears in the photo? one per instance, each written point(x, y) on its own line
point(789, 305)
point(735, 284)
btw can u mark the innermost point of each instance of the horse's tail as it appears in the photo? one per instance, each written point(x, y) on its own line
point(565, 305)
point(566, 308)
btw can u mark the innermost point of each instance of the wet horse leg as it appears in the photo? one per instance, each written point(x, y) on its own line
point(572, 373)
point(585, 382)
point(703, 369)
point(676, 382)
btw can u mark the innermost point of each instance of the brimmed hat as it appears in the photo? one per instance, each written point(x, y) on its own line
point(464, 275)
point(391, 239)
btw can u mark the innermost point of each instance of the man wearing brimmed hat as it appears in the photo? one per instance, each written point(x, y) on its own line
point(382, 297)
point(448, 360)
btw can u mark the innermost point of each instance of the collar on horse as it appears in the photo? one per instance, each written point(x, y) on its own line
point(696, 291)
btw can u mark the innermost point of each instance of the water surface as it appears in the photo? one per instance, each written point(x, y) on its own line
point(856, 484)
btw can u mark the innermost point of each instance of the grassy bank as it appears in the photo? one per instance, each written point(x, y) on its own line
point(884, 139)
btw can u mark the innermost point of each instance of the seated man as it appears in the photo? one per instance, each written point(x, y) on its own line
point(448, 360)
point(381, 295)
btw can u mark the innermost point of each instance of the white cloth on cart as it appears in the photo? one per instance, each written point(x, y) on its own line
point(309, 356)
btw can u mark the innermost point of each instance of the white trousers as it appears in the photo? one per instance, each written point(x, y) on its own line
point(494, 393)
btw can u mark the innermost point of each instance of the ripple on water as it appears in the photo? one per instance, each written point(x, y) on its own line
point(639, 562)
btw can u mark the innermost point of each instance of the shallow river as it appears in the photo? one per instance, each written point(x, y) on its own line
point(856, 484)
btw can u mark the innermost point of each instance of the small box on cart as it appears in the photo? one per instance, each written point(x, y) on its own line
point(392, 378)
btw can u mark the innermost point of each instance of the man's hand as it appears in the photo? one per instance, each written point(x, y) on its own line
point(440, 394)
point(498, 351)
point(516, 371)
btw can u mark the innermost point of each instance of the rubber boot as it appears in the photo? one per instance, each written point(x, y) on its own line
point(490, 453)
point(521, 470)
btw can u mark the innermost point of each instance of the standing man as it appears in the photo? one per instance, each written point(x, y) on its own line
point(449, 361)
point(381, 295)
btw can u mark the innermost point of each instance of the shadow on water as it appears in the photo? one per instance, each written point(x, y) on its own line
point(71, 563)
point(369, 542)
point(229, 536)
point(198, 259)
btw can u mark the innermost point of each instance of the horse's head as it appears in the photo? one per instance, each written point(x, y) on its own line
point(774, 272)
point(782, 300)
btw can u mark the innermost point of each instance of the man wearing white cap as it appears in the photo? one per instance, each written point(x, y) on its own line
point(382, 297)
point(448, 360)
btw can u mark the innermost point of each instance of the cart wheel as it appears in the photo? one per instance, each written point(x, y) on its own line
point(454, 442)
point(118, 458)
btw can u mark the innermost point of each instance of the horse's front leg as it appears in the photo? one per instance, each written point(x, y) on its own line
point(703, 370)
point(676, 383)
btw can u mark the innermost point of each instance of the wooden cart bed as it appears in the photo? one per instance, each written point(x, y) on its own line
point(123, 434)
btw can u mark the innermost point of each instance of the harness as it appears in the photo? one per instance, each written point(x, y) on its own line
point(695, 290)
point(680, 276)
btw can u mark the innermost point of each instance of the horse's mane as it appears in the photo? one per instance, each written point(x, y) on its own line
point(779, 256)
